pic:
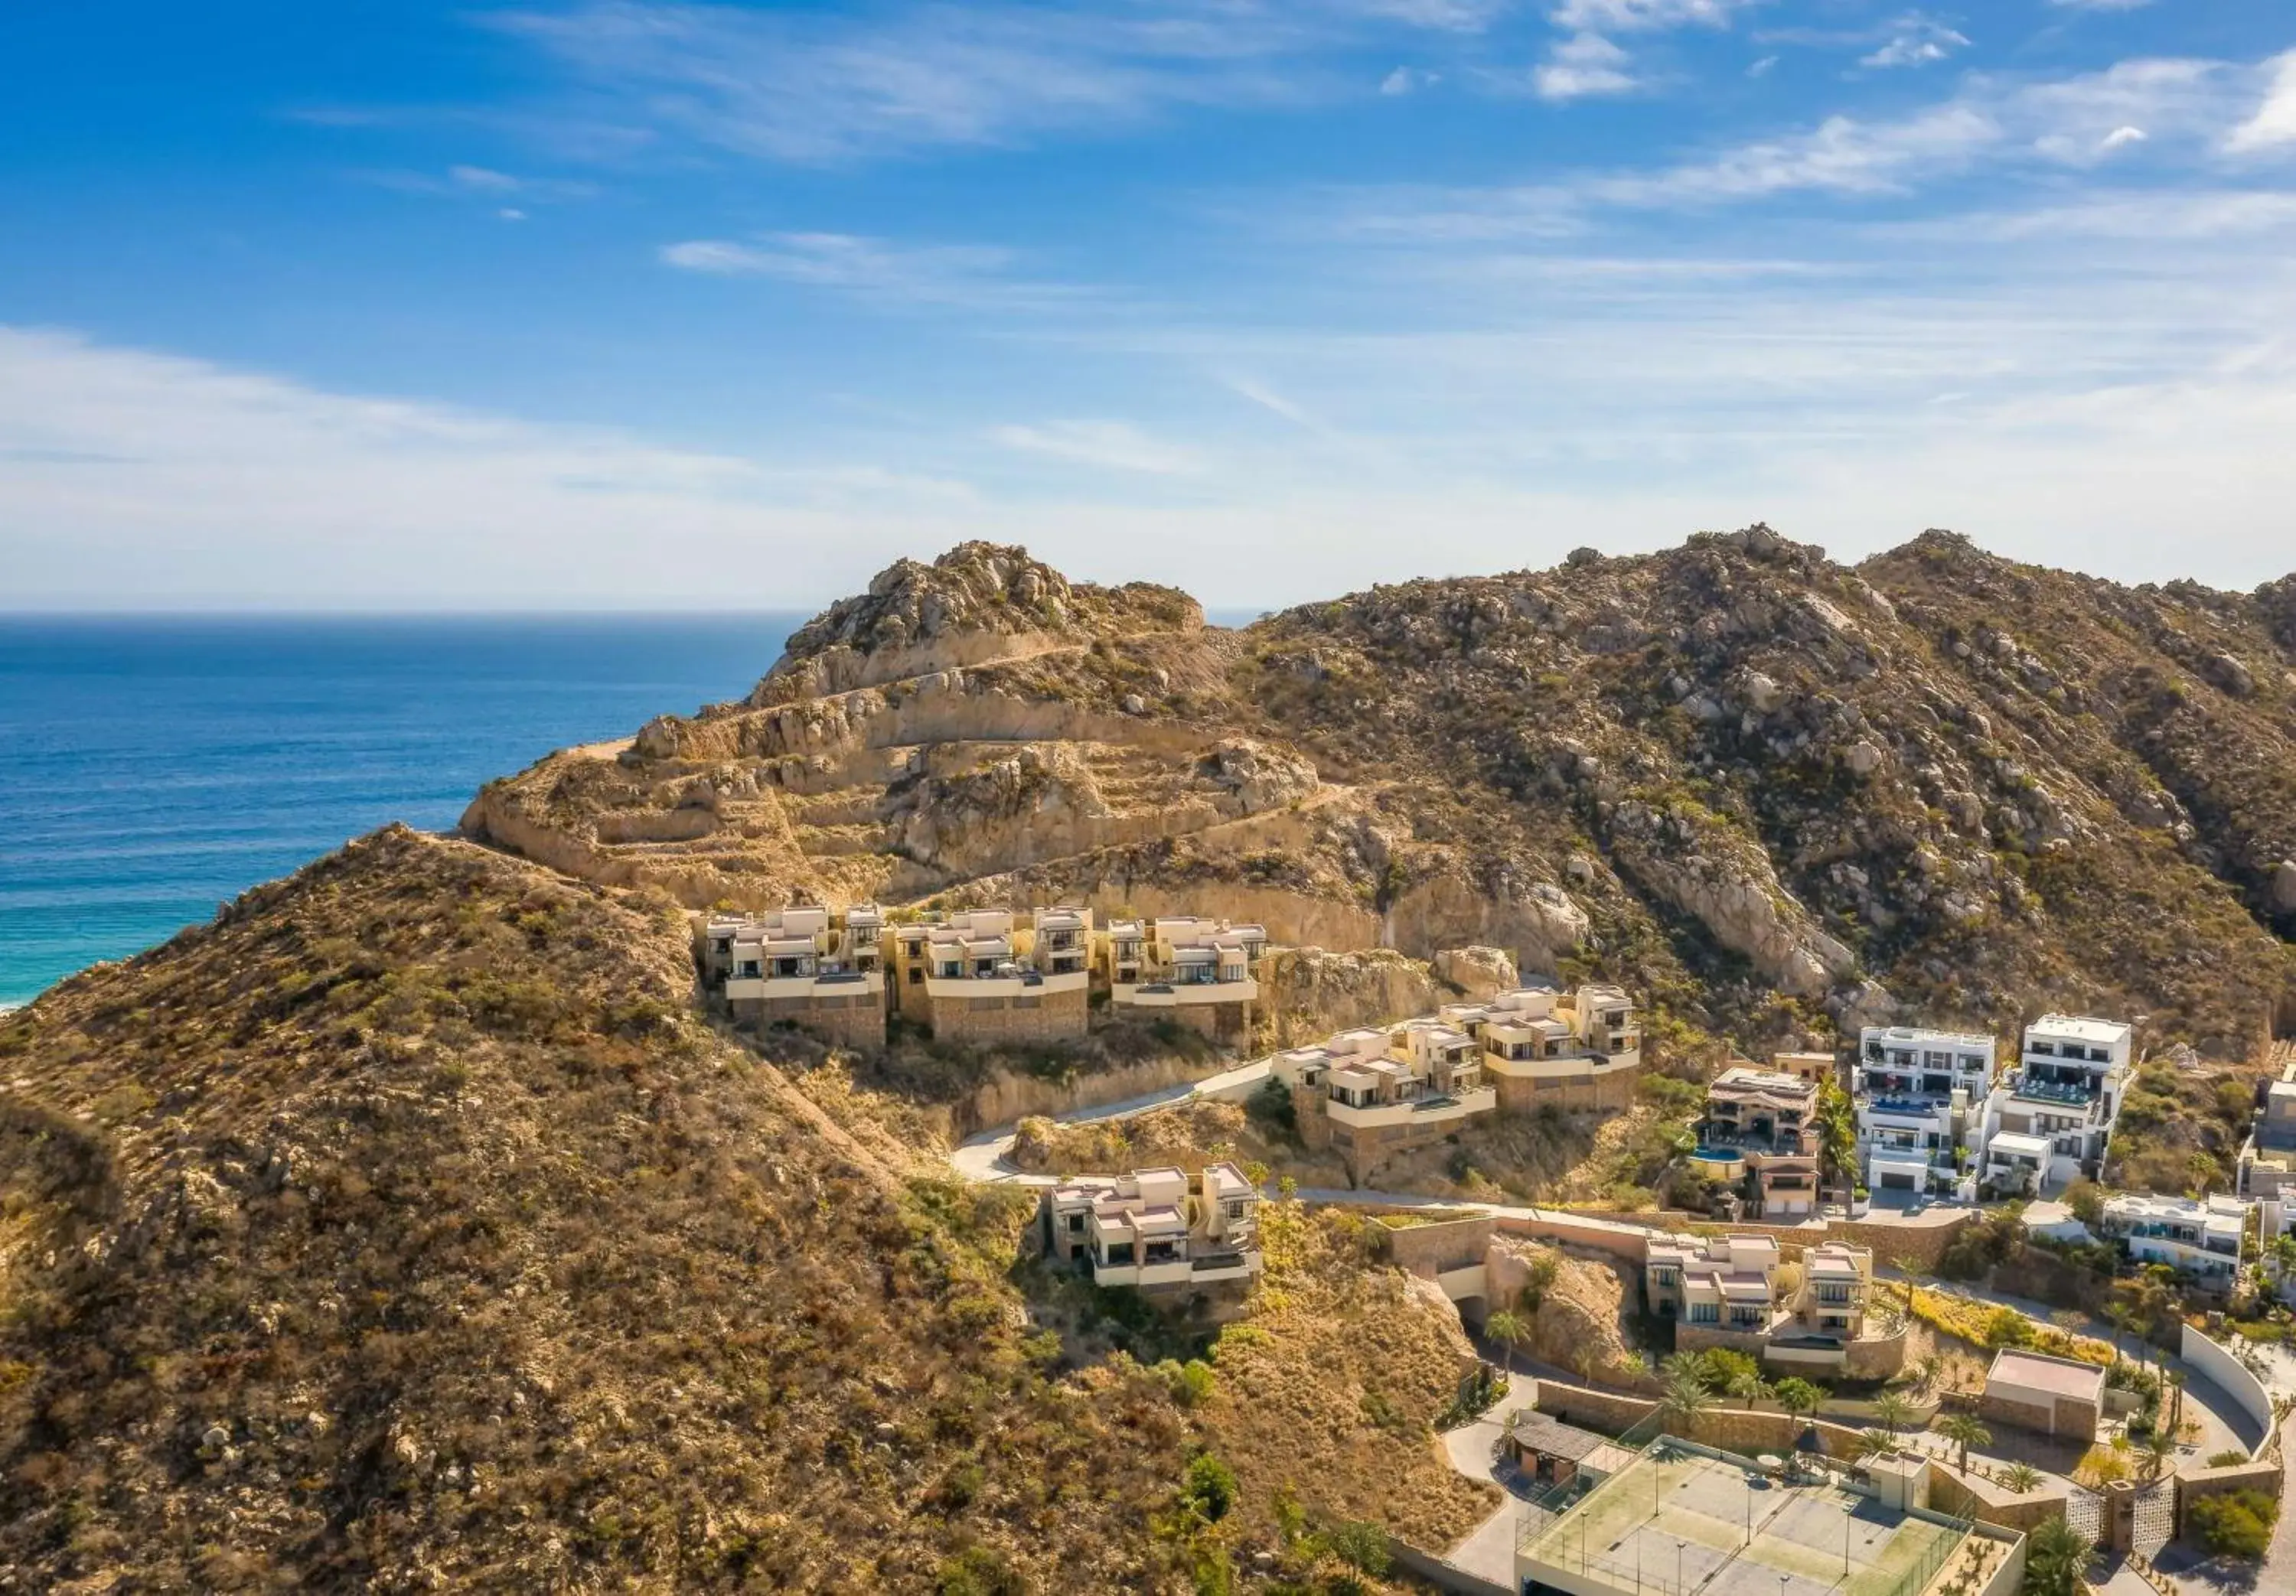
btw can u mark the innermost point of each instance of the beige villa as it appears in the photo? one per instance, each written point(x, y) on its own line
point(1204, 973)
point(806, 966)
point(1760, 1134)
point(1373, 1092)
point(1159, 1232)
point(990, 974)
point(1541, 1047)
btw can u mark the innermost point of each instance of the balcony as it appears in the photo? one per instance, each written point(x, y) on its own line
point(1169, 994)
point(2073, 1094)
point(1433, 1110)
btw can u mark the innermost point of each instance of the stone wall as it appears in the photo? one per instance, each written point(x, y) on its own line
point(2066, 1416)
point(1428, 1250)
point(1611, 1092)
point(1924, 1244)
point(1876, 1356)
point(846, 1020)
point(1741, 1430)
point(1973, 1497)
point(1052, 1017)
point(1442, 1575)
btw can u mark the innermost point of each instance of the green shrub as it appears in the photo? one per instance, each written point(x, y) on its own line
point(2237, 1524)
point(2230, 1458)
point(1209, 1488)
point(977, 1571)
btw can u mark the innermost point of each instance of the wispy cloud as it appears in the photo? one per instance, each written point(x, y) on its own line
point(2100, 5)
point(1643, 16)
point(2273, 124)
point(468, 182)
point(249, 489)
point(964, 277)
point(816, 86)
point(1915, 40)
point(1117, 445)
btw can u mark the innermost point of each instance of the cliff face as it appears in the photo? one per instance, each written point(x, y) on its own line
point(1776, 793)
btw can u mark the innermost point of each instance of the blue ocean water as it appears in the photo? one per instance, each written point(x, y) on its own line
point(152, 767)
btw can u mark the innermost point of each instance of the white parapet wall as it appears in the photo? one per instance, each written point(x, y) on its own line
point(2230, 1373)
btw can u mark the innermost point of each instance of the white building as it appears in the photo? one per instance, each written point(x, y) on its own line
point(2051, 1117)
point(2193, 1238)
point(1916, 1092)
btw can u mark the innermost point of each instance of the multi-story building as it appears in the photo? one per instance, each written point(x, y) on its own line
point(1204, 973)
point(808, 966)
point(1837, 1281)
point(1760, 1130)
point(1543, 1047)
point(2201, 1239)
point(1374, 1092)
point(2049, 1119)
point(989, 974)
point(1157, 1231)
point(2267, 1163)
point(1917, 1092)
point(1722, 1283)
point(1817, 1069)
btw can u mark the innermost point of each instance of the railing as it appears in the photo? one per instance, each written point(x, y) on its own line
point(2054, 1092)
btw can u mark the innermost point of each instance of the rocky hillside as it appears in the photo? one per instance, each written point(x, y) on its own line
point(406, 1229)
point(1781, 796)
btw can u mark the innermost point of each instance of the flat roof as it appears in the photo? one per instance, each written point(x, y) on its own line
point(2038, 1371)
point(1551, 1437)
point(2017, 1141)
point(2081, 1028)
point(1916, 1033)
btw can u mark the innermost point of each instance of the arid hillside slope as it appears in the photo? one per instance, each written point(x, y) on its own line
point(406, 1229)
point(1781, 796)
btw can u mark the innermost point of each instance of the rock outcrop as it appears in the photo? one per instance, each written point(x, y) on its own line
point(1722, 774)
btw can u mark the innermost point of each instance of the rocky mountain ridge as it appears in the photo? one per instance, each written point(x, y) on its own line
point(1780, 795)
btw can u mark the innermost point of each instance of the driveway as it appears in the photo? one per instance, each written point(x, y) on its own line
point(1489, 1551)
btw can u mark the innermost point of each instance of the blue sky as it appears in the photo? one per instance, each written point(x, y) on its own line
point(626, 303)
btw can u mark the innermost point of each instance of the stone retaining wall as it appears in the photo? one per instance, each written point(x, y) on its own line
point(2265, 1475)
point(1434, 1248)
point(1973, 1497)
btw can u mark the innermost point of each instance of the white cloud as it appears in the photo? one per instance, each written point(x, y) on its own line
point(1641, 16)
point(1117, 445)
point(1403, 80)
point(2121, 136)
point(129, 477)
point(1583, 65)
point(2101, 4)
point(2275, 121)
point(817, 86)
point(964, 277)
point(511, 213)
point(1760, 68)
point(483, 178)
point(1915, 41)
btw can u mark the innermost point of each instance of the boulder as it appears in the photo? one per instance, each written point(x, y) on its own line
point(2283, 887)
point(2231, 674)
point(1477, 972)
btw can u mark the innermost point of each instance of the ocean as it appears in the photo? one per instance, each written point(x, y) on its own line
point(156, 767)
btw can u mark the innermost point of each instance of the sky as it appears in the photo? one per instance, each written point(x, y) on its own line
point(381, 303)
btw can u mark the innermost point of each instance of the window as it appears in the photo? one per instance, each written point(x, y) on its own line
point(1705, 1312)
point(1076, 1224)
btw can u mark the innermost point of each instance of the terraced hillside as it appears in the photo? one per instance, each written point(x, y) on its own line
point(1781, 796)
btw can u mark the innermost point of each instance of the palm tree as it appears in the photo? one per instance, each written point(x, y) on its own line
point(1798, 1396)
point(1748, 1387)
point(1914, 1271)
point(1965, 1431)
point(1874, 1444)
point(1893, 1411)
point(1509, 1330)
point(2160, 1446)
point(2021, 1477)
point(2056, 1554)
point(1685, 1399)
point(1684, 1365)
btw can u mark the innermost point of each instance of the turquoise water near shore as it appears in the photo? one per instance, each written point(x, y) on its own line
point(151, 768)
